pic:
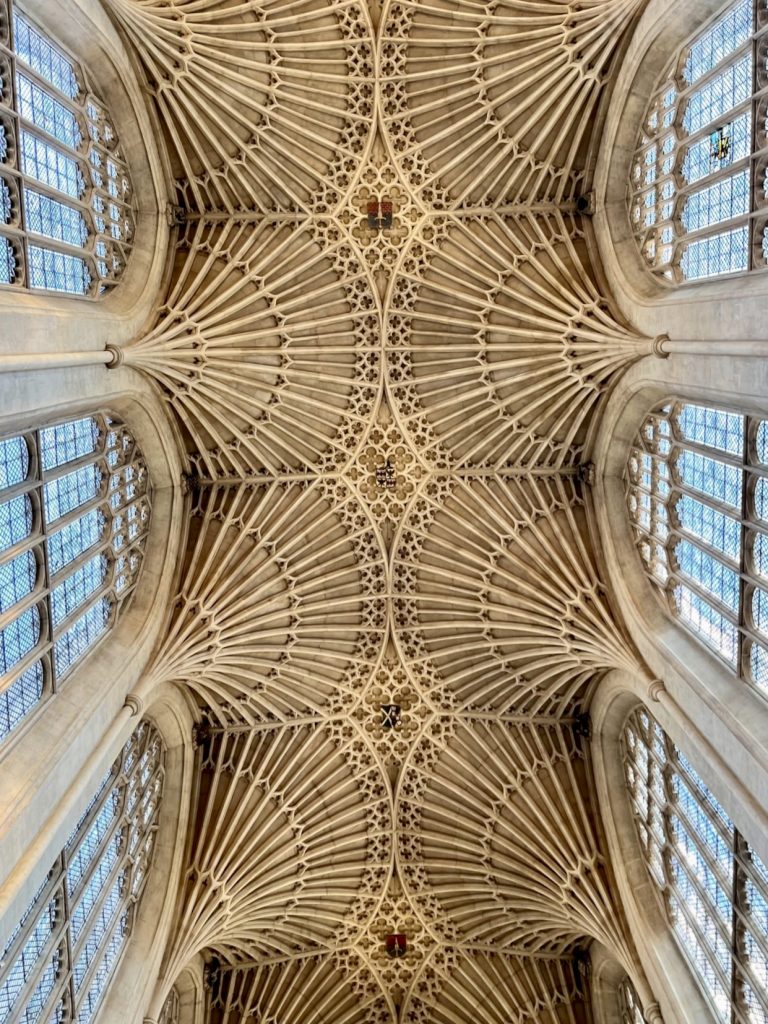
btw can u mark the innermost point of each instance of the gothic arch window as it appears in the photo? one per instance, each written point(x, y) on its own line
point(74, 515)
point(713, 886)
point(698, 191)
point(698, 500)
point(630, 1007)
point(59, 959)
point(66, 210)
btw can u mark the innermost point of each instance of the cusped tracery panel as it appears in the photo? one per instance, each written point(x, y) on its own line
point(492, 101)
point(459, 987)
point(280, 611)
point(291, 845)
point(318, 989)
point(498, 603)
point(497, 843)
point(266, 106)
point(499, 344)
point(265, 347)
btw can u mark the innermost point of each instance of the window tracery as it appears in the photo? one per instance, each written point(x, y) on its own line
point(630, 1008)
point(57, 963)
point(698, 190)
point(698, 501)
point(74, 515)
point(714, 887)
point(66, 208)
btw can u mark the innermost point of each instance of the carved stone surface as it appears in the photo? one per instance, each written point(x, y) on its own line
point(384, 344)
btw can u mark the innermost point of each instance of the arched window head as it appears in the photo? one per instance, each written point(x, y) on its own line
point(698, 191)
point(58, 961)
point(66, 208)
point(698, 500)
point(630, 1007)
point(74, 514)
point(713, 886)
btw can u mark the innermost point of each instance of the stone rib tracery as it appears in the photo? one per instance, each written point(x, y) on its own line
point(236, 84)
point(491, 102)
point(385, 345)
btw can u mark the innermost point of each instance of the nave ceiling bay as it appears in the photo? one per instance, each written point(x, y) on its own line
point(385, 344)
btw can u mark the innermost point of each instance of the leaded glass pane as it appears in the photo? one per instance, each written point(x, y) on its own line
point(724, 200)
point(92, 878)
point(710, 573)
point(65, 142)
point(710, 624)
point(698, 131)
point(57, 220)
point(18, 638)
point(90, 484)
point(719, 95)
point(14, 461)
point(718, 530)
point(17, 579)
point(68, 441)
point(75, 539)
point(726, 253)
point(712, 883)
point(725, 37)
point(8, 263)
point(719, 480)
point(42, 109)
point(695, 517)
point(49, 165)
point(15, 521)
point(36, 50)
point(20, 697)
point(57, 271)
point(82, 635)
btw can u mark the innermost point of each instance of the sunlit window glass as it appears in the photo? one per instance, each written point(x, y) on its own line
point(698, 197)
point(66, 206)
point(74, 515)
point(698, 501)
point(58, 961)
point(713, 886)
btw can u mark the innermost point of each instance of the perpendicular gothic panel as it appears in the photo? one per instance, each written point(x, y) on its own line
point(384, 343)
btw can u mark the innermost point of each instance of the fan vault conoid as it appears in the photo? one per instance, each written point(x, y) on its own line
point(384, 343)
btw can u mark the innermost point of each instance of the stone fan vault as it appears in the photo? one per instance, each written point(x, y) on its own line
point(384, 343)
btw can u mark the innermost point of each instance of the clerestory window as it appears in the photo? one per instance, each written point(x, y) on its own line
point(698, 191)
point(58, 961)
point(697, 491)
point(66, 207)
point(74, 516)
point(713, 886)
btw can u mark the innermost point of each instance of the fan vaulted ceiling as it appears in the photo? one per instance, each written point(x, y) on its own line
point(384, 344)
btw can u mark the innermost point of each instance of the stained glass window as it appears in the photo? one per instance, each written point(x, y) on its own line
point(58, 961)
point(698, 500)
point(66, 206)
point(74, 515)
point(630, 1009)
point(698, 199)
point(713, 886)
